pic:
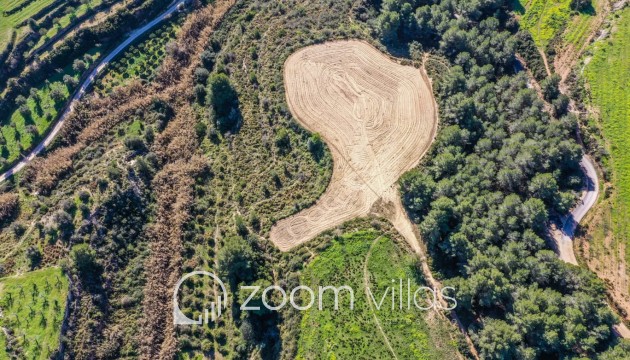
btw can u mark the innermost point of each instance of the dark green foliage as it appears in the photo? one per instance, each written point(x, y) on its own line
point(134, 143)
point(208, 58)
point(200, 93)
point(201, 75)
point(149, 135)
point(498, 340)
point(201, 129)
point(85, 262)
point(224, 101)
point(526, 47)
point(236, 260)
point(549, 87)
point(483, 197)
point(620, 351)
point(316, 146)
point(34, 257)
point(78, 65)
point(560, 105)
point(283, 141)
point(580, 5)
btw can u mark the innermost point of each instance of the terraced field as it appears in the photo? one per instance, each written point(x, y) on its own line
point(11, 22)
point(377, 116)
point(141, 60)
point(33, 307)
point(26, 125)
point(608, 76)
point(67, 19)
point(360, 260)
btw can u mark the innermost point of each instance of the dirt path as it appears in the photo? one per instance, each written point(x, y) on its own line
point(83, 89)
point(366, 283)
point(544, 57)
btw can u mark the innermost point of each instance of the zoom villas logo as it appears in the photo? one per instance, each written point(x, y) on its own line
point(402, 294)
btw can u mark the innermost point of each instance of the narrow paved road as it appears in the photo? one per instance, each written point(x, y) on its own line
point(83, 89)
point(571, 221)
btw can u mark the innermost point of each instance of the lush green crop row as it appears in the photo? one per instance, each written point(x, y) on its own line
point(141, 59)
point(8, 23)
point(66, 20)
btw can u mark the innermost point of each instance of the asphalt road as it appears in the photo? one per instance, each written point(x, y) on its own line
point(571, 221)
point(83, 89)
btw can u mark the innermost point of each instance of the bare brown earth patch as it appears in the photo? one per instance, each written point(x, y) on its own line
point(377, 116)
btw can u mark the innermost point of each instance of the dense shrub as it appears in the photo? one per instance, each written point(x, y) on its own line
point(224, 102)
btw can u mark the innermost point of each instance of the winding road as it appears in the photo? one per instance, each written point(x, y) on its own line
point(84, 87)
point(564, 240)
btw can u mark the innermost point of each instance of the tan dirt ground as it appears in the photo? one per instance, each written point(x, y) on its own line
point(378, 118)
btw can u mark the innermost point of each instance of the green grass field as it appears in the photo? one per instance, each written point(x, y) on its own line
point(11, 22)
point(346, 333)
point(33, 307)
point(608, 76)
point(543, 18)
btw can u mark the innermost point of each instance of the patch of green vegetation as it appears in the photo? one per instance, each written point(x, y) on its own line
point(141, 59)
point(34, 114)
point(33, 307)
point(578, 29)
point(67, 19)
point(608, 75)
point(544, 19)
point(356, 260)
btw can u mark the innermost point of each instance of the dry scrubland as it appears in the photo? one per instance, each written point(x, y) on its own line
point(378, 118)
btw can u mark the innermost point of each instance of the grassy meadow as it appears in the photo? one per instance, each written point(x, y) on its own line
point(33, 306)
point(608, 76)
point(545, 19)
point(356, 260)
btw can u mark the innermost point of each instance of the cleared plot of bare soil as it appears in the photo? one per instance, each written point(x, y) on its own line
point(378, 118)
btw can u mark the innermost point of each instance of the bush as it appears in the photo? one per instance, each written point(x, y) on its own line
point(134, 143)
point(283, 141)
point(201, 75)
point(201, 129)
point(208, 59)
point(549, 87)
point(200, 93)
point(236, 260)
point(85, 262)
point(70, 81)
point(8, 206)
point(34, 257)
point(316, 146)
point(224, 101)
